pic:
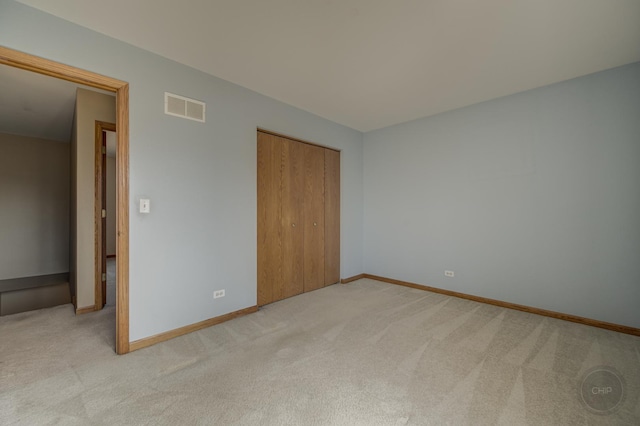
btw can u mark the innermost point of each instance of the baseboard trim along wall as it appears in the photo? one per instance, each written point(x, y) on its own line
point(351, 279)
point(86, 310)
point(552, 314)
point(167, 335)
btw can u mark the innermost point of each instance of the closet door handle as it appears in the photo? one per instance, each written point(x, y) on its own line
point(315, 224)
point(293, 225)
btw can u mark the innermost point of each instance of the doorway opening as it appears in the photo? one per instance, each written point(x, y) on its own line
point(105, 213)
point(43, 66)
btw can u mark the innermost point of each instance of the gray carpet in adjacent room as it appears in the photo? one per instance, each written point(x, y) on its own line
point(366, 353)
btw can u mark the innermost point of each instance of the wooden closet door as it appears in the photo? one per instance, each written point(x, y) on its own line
point(313, 217)
point(292, 217)
point(331, 216)
point(270, 286)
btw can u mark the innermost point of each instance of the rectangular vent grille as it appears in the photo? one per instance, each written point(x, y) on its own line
point(180, 106)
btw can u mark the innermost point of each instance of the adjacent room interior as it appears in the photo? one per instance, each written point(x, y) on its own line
point(44, 122)
point(476, 197)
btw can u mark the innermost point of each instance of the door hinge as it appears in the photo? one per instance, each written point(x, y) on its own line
point(104, 213)
point(104, 276)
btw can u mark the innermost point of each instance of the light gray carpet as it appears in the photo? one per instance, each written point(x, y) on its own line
point(366, 353)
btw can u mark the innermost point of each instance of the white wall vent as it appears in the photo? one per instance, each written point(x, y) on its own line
point(180, 106)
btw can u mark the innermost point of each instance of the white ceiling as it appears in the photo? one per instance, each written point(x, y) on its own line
point(373, 63)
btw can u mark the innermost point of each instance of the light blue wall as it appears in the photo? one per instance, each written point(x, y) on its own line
point(532, 199)
point(201, 178)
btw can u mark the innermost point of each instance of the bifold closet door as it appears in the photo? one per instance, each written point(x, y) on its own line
point(292, 217)
point(270, 261)
point(314, 211)
point(298, 217)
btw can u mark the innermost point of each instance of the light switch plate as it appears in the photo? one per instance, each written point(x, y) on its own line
point(145, 205)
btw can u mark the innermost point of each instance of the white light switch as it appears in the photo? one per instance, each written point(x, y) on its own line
point(145, 205)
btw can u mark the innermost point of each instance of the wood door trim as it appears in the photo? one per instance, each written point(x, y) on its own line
point(552, 314)
point(39, 65)
point(100, 126)
point(281, 135)
point(122, 220)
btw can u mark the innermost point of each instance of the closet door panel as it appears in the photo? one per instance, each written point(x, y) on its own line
point(292, 217)
point(313, 217)
point(270, 286)
point(331, 216)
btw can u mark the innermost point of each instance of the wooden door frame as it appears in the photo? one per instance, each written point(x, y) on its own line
point(100, 241)
point(39, 65)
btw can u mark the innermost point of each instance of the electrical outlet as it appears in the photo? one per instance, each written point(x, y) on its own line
point(448, 274)
point(218, 294)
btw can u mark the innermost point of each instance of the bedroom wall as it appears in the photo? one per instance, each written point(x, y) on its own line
point(34, 206)
point(201, 178)
point(530, 199)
